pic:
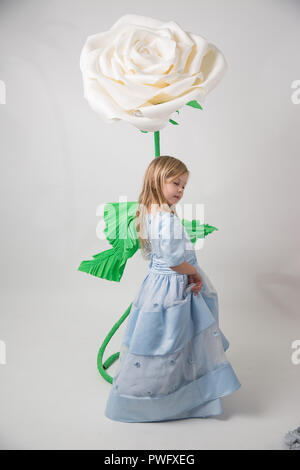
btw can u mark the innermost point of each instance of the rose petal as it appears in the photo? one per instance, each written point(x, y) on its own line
point(178, 87)
point(103, 105)
point(165, 109)
point(213, 67)
point(201, 47)
point(178, 34)
point(128, 95)
point(138, 20)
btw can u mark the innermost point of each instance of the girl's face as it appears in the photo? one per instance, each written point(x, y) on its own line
point(173, 189)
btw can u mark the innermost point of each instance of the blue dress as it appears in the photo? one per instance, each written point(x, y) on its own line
point(172, 362)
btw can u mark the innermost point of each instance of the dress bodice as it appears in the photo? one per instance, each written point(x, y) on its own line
point(170, 243)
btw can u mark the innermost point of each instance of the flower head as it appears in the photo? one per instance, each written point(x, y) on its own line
point(142, 70)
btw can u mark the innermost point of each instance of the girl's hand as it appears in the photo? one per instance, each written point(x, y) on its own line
point(197, 279)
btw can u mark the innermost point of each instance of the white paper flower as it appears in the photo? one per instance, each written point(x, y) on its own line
point(142, 70)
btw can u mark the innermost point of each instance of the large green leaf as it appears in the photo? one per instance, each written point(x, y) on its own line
point(120, 231)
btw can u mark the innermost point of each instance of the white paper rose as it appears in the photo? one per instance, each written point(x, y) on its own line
point(142, 70)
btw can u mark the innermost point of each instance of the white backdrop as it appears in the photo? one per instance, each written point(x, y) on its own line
point(59, 161)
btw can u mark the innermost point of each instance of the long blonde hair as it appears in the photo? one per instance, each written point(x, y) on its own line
point(160, 169)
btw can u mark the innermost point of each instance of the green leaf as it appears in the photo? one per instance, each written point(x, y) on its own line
point(194, 104)
point(120, 231)
point(144, 132)
point(173, 122)
point(197, 230)
point(177, 111)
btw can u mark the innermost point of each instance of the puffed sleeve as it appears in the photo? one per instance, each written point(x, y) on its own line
point(171, 239)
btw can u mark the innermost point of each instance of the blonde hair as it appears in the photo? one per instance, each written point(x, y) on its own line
point(160, 170)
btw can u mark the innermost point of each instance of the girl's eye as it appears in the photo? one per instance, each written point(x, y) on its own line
point(178, 184)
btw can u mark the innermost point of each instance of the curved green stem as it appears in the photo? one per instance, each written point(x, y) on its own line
point(113, 357)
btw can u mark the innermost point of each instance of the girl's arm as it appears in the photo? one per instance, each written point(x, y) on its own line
point(193, 275)
point(185, 268)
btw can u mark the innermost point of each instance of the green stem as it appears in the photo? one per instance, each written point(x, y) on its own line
point(156, 141)
point(102, 367)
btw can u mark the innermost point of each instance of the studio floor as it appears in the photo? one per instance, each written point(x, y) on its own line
point(52, 396)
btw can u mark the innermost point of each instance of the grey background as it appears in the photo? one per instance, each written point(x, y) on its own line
point(59, 161)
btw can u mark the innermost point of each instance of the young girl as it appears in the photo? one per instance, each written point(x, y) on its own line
point(172, 362)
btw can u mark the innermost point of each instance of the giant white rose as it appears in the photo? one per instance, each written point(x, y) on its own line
point(142, 70)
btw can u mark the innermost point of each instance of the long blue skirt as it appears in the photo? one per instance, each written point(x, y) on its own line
point(172, 362)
